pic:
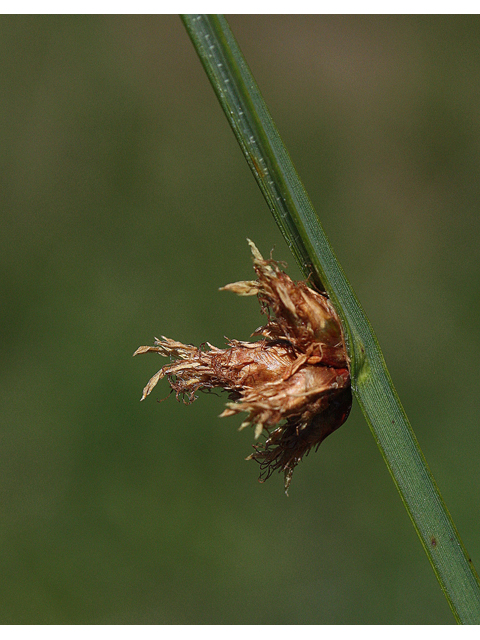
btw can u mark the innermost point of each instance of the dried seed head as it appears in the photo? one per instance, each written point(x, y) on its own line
point(294, 383)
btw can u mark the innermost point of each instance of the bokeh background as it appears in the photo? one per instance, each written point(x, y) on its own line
point(125, 204)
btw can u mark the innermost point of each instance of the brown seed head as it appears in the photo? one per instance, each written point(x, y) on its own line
point(294, 383)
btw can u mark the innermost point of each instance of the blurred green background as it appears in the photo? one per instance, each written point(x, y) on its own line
point(125, 205)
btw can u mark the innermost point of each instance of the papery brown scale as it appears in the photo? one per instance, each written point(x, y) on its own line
point(286, 446)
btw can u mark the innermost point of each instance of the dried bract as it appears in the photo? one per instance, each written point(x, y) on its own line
point(293, 383)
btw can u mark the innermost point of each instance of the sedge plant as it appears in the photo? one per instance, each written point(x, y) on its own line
point(372, 386)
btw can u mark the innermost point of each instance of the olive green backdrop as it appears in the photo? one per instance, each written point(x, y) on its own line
point(125, 204)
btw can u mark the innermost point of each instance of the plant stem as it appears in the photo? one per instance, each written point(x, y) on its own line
point(287, 199)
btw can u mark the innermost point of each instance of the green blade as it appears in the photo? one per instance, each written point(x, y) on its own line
point(288, 201)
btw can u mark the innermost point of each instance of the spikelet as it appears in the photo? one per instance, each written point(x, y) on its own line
point(293, 383)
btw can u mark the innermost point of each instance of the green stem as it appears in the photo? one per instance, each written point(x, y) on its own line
point(287, 199)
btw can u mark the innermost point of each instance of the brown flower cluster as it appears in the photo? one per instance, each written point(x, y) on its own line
point(294, 383)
